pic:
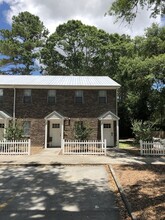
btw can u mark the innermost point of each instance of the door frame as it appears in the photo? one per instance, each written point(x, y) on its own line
point(5, 118)
point(106, 117)
point(111, 122)
point(54, 116)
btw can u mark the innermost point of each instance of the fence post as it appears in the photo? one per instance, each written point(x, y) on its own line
point(105, 146)
point(141, 147)
point(63, 143)
point(29, 146)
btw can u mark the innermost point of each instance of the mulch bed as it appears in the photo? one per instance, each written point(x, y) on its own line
point(144, 186)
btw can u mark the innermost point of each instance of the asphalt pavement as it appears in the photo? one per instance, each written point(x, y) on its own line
point(56, 192)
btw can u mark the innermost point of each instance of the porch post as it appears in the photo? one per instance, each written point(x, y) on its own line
point(117, 133)
point(5, 126)
point(102, 131)
point(46, 132)
point(62, 131)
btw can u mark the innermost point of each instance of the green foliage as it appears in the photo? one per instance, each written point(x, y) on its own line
point(14, 132)
point(21, 45)
point(142, 130)
point(81, 131)
point(127, 10)
point(78, 49)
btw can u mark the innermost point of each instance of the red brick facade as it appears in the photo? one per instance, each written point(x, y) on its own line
point(38, 109)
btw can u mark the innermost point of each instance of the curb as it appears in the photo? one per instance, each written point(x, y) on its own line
point(50, 164)
point(122, 193)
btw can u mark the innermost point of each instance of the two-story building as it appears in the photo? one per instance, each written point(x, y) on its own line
point(48, 107)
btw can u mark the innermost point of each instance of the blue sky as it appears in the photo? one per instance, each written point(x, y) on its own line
point(3, 23)
point(55, 12)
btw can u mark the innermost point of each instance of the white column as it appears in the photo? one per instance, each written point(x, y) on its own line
point(62, 131)
point(5, 126)
point(102, 137)
point(117, 133)
point(46, 132)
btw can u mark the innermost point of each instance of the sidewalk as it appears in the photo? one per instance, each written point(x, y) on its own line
point(53, 157)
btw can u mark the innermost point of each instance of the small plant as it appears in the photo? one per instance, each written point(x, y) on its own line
point(81, 132)
point(14, 132)
point(142, 130)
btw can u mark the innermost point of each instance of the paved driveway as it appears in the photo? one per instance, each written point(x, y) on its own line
point(62, 193)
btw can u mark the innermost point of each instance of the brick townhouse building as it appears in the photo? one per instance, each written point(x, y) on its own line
point(48, 107)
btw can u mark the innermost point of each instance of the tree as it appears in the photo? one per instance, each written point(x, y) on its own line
point(20, 46)
point(142, 78)
point(78, 49)
point(127, 10)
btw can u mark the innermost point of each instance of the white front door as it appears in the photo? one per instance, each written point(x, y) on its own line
point(55, 133)
point(108, 133)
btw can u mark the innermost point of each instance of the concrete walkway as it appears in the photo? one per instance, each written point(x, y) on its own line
point(53, 157)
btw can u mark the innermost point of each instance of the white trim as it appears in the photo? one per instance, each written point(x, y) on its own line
point(59, 87)
point(54, 116)
point(105, 116)
point(4, 115)
point(46, 132)
point(110, 116)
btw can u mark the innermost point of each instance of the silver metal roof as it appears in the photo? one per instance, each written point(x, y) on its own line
point(18, 81)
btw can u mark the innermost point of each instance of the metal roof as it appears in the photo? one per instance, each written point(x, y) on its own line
point(17, 81)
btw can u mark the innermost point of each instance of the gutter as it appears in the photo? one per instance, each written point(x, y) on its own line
point(14, 106)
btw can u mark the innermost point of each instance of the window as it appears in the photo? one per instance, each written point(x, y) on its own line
point(55, 125)
point(27, 96)
point(51, 96)
point(107, 125)
point(102, 96)
point(1, 95)
point(26, 128)
point(79, 96)
point(2, 125)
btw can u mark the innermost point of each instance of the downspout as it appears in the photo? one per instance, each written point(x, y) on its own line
point(14, 104)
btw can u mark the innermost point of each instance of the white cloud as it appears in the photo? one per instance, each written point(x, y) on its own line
point(55, 12)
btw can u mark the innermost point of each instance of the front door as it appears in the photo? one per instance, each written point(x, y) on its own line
point(55, 133)
point(108, 133)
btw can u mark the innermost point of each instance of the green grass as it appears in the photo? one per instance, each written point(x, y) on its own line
point(129, 147)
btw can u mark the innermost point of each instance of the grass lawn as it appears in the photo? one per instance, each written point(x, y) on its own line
point(129, 146)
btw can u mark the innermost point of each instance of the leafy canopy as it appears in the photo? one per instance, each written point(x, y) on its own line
point(127, 9)
point(20, 46)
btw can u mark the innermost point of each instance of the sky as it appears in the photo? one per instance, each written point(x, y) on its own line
point(91, 12)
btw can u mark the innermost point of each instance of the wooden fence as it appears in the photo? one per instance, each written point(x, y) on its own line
point(21, 147)
point(152, 148)
point(84, 147)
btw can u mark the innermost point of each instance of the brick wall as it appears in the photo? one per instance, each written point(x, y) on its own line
point(35, 112)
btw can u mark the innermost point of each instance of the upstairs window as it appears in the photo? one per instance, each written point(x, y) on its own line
point(26, 128)
point(1, 95)
point(51, 96)
point(27, 96)
point(79, 97)
point(102, 96)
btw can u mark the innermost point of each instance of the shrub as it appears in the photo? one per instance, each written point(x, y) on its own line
point(81, 132)
point(142, 130)
point(14, 132)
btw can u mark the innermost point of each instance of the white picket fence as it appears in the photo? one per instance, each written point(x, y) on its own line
point(87, 147)
point(152, 148)
point(21, 147)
